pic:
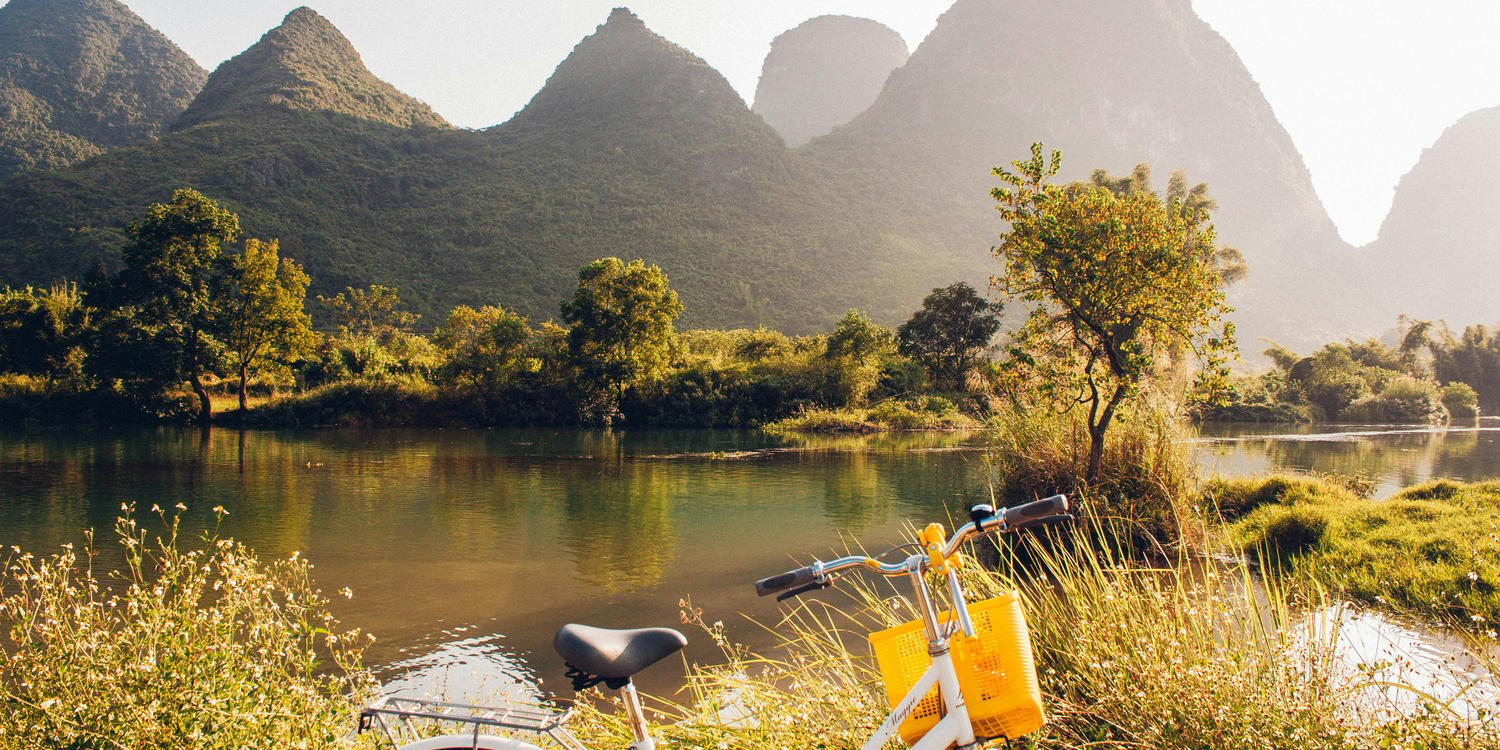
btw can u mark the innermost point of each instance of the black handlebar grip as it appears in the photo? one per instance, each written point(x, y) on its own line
point(1022, 514)
point(789, 579)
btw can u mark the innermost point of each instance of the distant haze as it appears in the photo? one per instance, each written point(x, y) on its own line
point(1362, 86)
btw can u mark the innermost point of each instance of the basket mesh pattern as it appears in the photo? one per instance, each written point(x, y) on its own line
point(995, 672)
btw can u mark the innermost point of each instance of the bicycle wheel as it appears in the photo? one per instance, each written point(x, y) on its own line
point(466, 742)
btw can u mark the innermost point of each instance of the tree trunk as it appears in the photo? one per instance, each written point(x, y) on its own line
point(205, 406)
point(244, 376)
point(1096, 434)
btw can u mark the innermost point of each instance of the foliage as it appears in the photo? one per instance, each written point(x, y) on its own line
point(1473, 358)
point(1403, 399)
point(374, 312)
point(185, 645)
point(621, 319)
point(1142, 486)
point(43, 332)
point(262, 316)
point(950, 333)
point(1118, 279)
point(1461, 400)
point(1431, 549)
point(1269, 397)
point(483, 348)
point(163, 303)
point(857, 349)
point(922, 413)
point(1349, 381)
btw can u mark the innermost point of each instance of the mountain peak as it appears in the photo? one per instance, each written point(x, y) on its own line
point(823, 73)
point(79, 76)
point(622, 17)
point(624, 85)
point(304, 64)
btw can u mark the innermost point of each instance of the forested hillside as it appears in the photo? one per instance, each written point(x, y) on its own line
point(637, 148)
point(81, 76)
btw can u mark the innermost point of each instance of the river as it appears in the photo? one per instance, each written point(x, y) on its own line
point(467, 549)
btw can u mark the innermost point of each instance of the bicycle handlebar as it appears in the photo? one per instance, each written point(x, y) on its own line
point(984, 521)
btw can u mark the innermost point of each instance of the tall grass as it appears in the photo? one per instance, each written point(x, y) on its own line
point(1147, 475)
point(202, 647)
point(1129, 657)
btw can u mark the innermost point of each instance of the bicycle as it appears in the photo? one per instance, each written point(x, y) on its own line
point(927, 719)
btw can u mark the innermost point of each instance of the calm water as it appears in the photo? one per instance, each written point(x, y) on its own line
point(467, 549)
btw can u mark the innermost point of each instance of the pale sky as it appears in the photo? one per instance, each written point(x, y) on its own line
point(1362, 86)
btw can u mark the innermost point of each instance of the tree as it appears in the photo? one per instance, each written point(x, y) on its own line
point(1118, 279)
point(857, 347)
point(163, 300)
point(42, 331)
point(262, 310)
point(620, 320)
point(375, 312)
point(950, 333)
point(484, 347)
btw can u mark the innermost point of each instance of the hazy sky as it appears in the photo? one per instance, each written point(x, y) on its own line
point(1362, 85)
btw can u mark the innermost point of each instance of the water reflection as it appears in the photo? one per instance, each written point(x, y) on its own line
point(451, 536)
point(1394, 457)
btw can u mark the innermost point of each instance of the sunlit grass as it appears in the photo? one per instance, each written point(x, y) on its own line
point(199, 645)
point(1432, 550)
point(1189, 655)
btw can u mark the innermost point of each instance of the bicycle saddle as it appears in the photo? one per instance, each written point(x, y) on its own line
point(615, 654)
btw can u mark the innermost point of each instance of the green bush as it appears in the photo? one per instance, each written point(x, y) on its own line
point(1461, 400)
point(203, 648)
point(1403, 400)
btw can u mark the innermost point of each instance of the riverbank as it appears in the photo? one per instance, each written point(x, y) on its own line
point(1180, 656)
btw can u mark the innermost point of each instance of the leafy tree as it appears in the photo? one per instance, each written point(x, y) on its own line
point(374, 338)
point(857, 347)
point(42, 331)
point(375, 312)
point(950, 333)
point(163, 302)
point(262, 318)
point(1472, 357)
point(1118, 281)
point(621, 323)
point(483, 348)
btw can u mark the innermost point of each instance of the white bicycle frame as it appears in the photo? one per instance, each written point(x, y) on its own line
point(954, 729)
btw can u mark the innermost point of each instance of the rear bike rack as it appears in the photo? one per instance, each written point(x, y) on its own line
point(397, 718)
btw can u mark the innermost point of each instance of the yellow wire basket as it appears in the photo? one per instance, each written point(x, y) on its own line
point(995, 671)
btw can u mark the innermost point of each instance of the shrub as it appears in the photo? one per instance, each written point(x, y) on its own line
point(205, 648)
point(1461, 400)
point(1403, 400)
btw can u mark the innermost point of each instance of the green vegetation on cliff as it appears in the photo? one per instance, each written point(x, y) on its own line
point(81, 76)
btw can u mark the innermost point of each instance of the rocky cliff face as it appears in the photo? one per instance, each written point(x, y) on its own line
point(304, 64)
point(825, 72)
point(80, 76)
point(1438, 255)
point(1110, 84)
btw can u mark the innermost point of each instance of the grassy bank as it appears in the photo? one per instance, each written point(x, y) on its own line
point(923, 413)
point(1433, 550)
point(199, 644)
point(1128, 657)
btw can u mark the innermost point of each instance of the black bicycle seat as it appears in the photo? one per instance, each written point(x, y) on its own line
point(615, 654)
